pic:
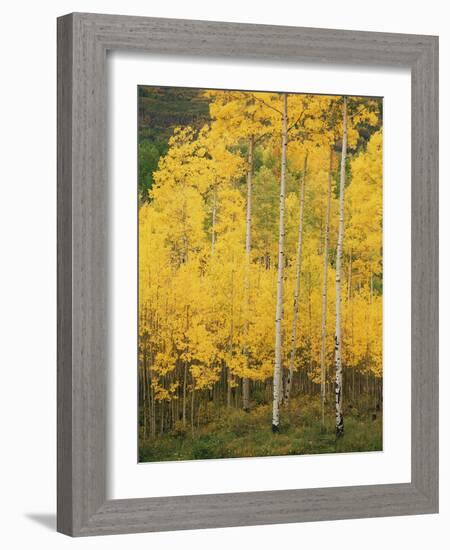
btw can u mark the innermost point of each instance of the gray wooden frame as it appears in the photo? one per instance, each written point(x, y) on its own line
point(83, 40)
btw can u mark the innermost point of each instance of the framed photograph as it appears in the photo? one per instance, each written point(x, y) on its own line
point(247, 274)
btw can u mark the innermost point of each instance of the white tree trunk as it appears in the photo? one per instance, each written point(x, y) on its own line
point(248, 241)
point(229, 373)
point(337, 338)
point(248, 219)
point(185, 372)
point(279, 307)
point(184, 393)
point(325, 294)
point(213, 221)
point(298, 268)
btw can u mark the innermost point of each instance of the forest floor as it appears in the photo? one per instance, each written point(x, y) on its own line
point(233, 433)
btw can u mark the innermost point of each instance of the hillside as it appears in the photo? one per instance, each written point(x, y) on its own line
point(160, 110)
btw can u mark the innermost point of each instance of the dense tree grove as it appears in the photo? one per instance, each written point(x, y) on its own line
point(260, 262)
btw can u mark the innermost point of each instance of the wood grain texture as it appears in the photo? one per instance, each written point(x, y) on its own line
point(64, 274)
point(83, 40)
point(425, 273)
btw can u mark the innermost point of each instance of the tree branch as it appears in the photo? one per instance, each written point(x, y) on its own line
point(267, 105)
point(297, 121)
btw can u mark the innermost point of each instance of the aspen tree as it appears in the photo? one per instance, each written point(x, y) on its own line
point(277, 374)
point(338, 339)
point(248, 238)
point(298, 267)
point(213, 219)
point(323, 332)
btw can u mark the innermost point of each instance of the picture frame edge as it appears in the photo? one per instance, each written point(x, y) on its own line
point(82, 506)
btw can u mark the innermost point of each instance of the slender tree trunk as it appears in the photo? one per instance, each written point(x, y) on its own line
point(213, 220)
point(310, 368)
point(371, 288)
point(248, 240)
point(185, 373)
point(323, 368)
point(149, 397)
point(162, 417)
point(298, 268)
point(338, 342)
point(353, 384)
point(192, 406)
point(198, 411)
point(146, 396)
point(279, 307)
point(352, 327)
point(153, 412)
point(184, 393)
point(229, 374)
point(349, 279)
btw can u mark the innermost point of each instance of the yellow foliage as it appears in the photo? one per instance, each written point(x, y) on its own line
point(203, 307)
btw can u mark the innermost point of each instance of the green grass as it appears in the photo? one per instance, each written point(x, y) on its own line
point(233, 433)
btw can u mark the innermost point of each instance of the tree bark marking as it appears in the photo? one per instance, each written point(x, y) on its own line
point(279, 306)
